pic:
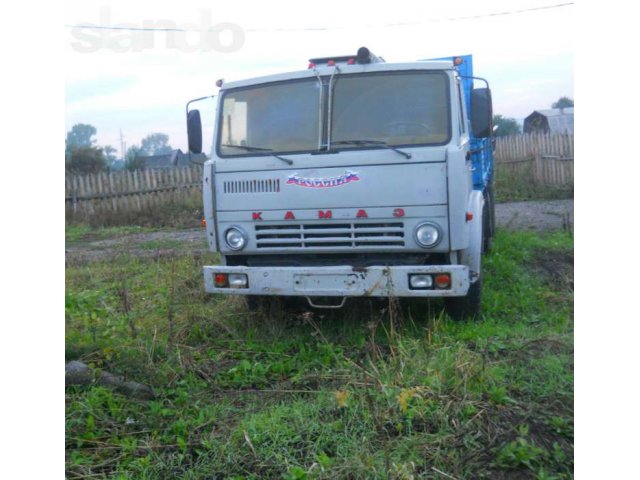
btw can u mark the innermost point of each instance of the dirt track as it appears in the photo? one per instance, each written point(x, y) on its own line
point(536, 216)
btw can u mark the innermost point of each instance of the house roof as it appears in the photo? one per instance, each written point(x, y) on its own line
point(554, 112)
point(171, 159)
point(560, 120)
point(160, 161)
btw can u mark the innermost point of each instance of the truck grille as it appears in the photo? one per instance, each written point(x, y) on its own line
point(326, 235)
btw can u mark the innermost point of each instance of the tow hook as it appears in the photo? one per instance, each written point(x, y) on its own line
point(315, 305)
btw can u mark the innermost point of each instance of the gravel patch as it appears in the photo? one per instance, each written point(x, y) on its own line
point(540, 216)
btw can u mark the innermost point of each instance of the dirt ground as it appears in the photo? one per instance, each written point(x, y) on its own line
point(538, 216)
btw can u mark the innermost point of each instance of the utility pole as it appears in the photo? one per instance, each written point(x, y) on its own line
point(123, 146)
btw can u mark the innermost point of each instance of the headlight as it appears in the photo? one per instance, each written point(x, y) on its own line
point(236, 238)
point(428, 235)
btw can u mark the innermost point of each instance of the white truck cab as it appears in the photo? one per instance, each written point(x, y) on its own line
point(352, 178)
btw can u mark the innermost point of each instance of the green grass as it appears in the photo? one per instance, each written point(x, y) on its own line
point(160, 244)
point(371, 391)
point(516, 187)
point(183, 212)
point(75, 234)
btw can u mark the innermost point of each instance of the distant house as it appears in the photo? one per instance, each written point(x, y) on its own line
point(175, 158)
point(553, 120)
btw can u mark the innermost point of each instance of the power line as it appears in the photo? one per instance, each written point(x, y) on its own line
point(321, 29)
point(431, 20)
point(484, 15)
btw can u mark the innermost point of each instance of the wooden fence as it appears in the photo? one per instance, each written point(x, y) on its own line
point(126, 191)
point(546, 159)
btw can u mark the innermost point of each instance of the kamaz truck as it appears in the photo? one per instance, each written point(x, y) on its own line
point(354, 177)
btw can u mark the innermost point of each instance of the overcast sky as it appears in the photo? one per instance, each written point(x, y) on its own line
point(133, 77)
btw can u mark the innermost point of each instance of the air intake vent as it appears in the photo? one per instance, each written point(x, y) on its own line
point(252, 186)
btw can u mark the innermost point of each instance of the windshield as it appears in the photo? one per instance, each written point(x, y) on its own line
point(368, 111)
point(272, 118)
point(409, 108)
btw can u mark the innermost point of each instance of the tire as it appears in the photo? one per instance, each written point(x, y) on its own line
point(492, 211)
point(467, 307)
point(488, 220)
point(256, 303)
point(487, 239)
point(270, 304)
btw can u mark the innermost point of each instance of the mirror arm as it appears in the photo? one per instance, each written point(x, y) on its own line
point(196, 100)
point(486, 82)
point(186, 108)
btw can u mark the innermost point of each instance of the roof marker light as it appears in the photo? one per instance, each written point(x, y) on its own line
point(351, 61)
point(331, 63)
point(311, 65)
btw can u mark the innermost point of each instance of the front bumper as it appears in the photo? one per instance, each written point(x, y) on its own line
point(339, 281)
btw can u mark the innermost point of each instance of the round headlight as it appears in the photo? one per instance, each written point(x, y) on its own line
point(235, 238)
point(428, 235)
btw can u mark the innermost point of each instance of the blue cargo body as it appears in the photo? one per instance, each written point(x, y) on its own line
point(481, 148)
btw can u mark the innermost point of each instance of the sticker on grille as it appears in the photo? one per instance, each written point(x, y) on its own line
point(328, 235)
point(252, 186)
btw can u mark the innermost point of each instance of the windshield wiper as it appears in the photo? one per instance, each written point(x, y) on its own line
point(259, 149)
point(373, 142)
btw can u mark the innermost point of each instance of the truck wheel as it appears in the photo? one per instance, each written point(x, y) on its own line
point(492, 212)
point(255, 303)
point(269, 304)
point(467, 307)
point(488, 220)
point(487, 238)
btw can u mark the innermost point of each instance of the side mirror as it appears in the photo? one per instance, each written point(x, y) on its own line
point(481, 112)
point(194, 131)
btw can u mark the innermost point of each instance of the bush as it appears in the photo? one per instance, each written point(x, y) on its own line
point(85, 160)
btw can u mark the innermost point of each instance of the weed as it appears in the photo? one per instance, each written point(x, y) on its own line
point(562, 426)
point(521, 453)
point(185, 212)
point(372, 391)
point(518, 186)
point(498, 395)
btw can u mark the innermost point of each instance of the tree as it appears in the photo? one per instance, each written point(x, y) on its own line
point(563, 102)
point(81, 135)
point(85, 160)
point(506, 126)
point(155, 144)
point(109, 154)
point(134, 160)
